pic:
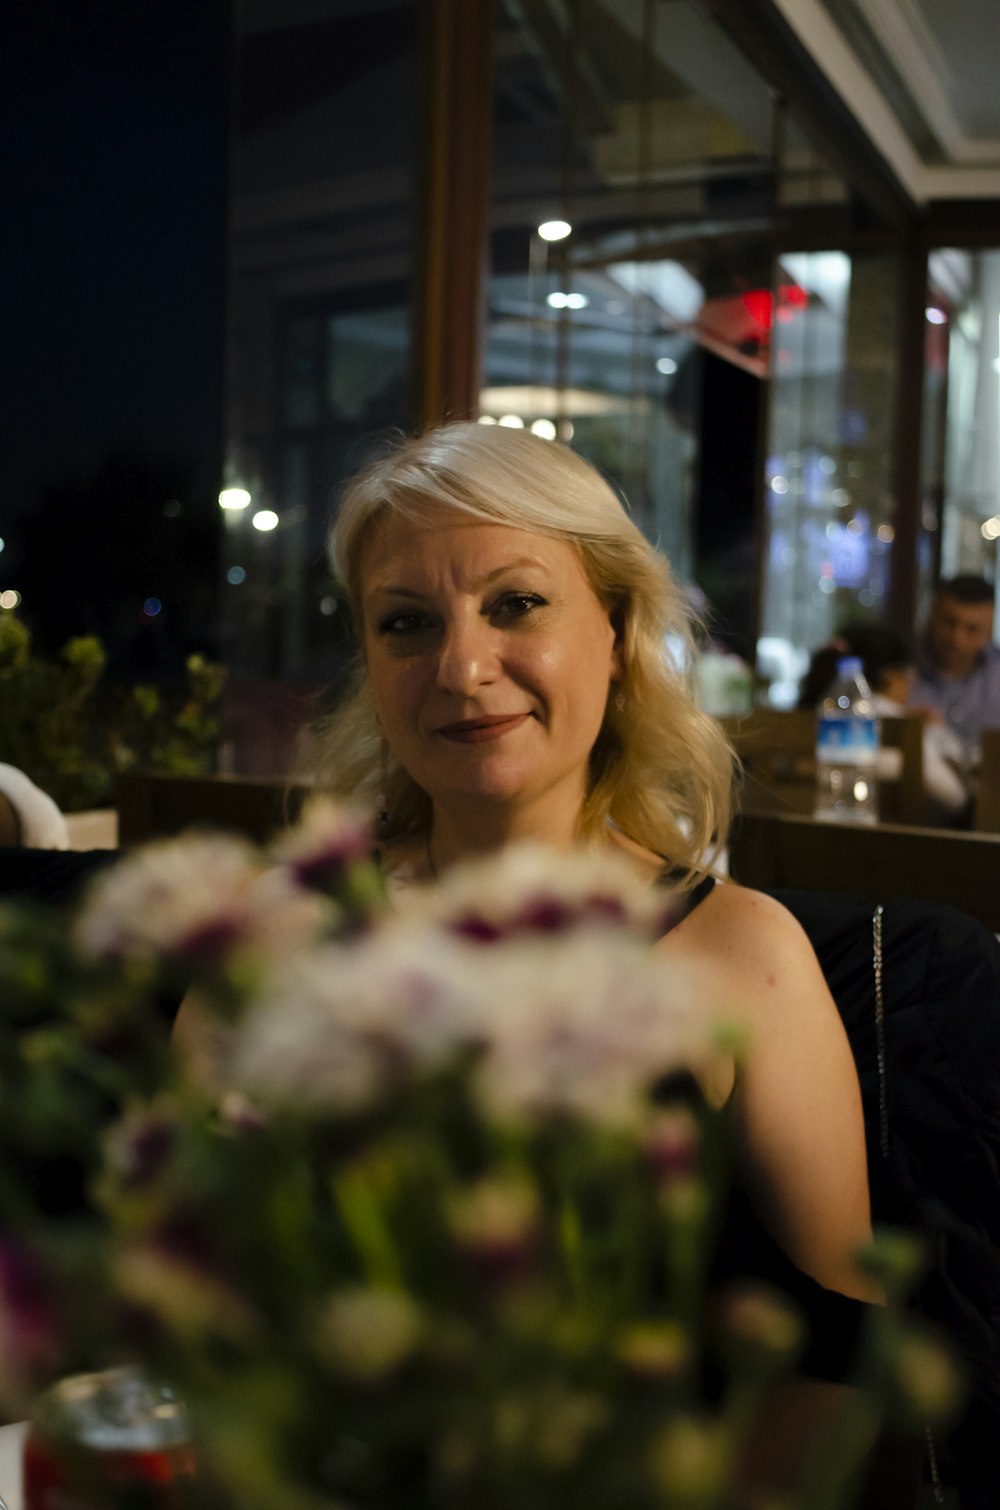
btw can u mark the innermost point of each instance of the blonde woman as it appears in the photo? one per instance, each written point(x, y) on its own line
point(513, 684)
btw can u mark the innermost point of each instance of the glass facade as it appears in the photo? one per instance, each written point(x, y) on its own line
point(679, 285)
point(322, 207)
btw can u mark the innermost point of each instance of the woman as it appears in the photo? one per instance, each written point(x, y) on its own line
point(513, 684)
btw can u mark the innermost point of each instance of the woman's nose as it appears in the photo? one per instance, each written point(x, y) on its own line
point(467, 658)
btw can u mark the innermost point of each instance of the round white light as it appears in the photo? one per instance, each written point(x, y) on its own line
point(487, 419)
point(10, 598)
point(543, 427)
point(554, 230)
point(265, 519)
point(886, 533)
point(779, 484)
point(559, 300)
point(666, 365)
point(936, 316)
point(990, 528)
point(511, 421)
point(234, 498)
point(235, 575)
point(2, 544)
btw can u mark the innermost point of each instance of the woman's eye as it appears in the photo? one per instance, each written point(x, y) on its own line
point(401, 623)
point(514, 605)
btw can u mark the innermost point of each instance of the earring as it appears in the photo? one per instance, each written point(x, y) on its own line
point(619, 702)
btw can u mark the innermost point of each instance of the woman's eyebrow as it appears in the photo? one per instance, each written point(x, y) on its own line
point(400, 590)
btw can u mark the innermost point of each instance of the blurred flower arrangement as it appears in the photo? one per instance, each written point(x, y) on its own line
point(423, 1224)
point(72, 735)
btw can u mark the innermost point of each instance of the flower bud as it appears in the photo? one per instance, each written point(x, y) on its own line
point(690, 1461)
point(653, 1352)
point(760, 1326)
point(495, 1224)
point(368, 1335)
point(927, 1380)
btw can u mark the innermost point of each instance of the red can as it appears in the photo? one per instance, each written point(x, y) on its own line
point(108, 1440)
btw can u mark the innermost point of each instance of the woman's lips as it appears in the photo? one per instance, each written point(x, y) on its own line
point(474, 731)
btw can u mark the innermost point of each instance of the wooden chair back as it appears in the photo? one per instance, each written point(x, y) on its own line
point(987, 814)
point(153, 805)
point(777, 753)
point(881, 861)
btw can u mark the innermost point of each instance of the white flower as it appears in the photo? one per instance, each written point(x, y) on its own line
point(583, 1027)
point(530, 888)
point(199, 898)
point(336, 1029)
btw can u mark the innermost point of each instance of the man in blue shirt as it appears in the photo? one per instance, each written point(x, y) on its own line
point(958, 664)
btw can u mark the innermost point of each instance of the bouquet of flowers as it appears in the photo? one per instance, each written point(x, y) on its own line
point(425, 1215)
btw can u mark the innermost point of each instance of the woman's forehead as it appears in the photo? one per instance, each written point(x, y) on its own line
point(436, 532)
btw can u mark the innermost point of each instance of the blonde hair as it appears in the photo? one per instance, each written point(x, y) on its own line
point(661, 770)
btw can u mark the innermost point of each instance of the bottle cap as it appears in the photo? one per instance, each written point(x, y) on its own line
point(849, 665)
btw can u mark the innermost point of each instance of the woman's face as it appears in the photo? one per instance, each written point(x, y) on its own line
point(490, 658)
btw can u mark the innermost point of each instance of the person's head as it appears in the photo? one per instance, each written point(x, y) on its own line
point(886, 659)
point(960, 624)
point(439, 505)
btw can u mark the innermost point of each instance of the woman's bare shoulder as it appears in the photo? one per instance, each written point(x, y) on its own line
point(752, 946)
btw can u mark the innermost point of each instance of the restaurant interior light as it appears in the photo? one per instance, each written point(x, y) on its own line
point(936, 316)
point(511, 421)
point(559, 300)
point(666, 365)
point(264, 520)
point(234, 498)
point(10, 598)
point(543, 427)
point(554, 230)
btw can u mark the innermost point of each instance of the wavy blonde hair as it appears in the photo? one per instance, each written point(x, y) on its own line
point(660, 769)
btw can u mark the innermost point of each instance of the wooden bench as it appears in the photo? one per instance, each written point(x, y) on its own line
point(882, 861)
point(987, 815)
point(153, 805)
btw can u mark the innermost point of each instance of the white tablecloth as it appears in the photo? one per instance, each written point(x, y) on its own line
point(11, 1438)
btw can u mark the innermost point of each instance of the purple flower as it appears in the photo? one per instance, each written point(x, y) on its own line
point(329, 838)
point(670, 1144)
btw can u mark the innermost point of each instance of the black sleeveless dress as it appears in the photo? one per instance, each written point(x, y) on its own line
point(745, 1251)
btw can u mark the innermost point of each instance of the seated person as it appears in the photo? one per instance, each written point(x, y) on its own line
point(957, 663)
point(890, 672)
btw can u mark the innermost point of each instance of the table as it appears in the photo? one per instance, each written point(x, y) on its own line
point(11, 1440)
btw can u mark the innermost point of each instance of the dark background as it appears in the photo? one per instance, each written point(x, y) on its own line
point(113, 145)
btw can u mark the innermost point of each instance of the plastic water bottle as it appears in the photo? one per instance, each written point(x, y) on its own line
point(848, 735)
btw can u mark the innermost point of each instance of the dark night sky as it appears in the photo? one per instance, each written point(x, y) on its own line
point(113, 131)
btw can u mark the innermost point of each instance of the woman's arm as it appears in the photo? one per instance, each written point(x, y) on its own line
point(796, 1100)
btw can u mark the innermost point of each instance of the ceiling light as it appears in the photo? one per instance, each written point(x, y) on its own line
point(234, 498)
